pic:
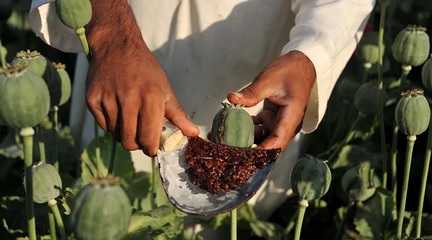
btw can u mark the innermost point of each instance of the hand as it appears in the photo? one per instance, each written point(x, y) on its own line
point(285, 86)
point(128, 92)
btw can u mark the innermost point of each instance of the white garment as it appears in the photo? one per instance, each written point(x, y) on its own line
point(210, 47)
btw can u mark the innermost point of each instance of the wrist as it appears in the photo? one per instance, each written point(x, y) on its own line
point(113, 26)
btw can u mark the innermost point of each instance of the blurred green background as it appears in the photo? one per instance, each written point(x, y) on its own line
point(16, 35)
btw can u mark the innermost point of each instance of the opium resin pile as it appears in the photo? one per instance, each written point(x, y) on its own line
point(219, 168)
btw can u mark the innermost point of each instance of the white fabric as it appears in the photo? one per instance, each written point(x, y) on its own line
point(210, 47)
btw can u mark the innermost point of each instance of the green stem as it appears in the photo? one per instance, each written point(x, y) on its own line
point(66, 207)
point(406, 69)
point(339, 127)
point(112, 159)
point(393, 161)
point(424, 182)
point(27, 136)
point(99, 172)
point(408, 158)
point(366, 68)
point(58, 218)
point(2, 56)
point(83, 40)
point(328, 152)
point(341, 226)
point(291, 224)
point(383, 8)
point(153, 183)
point(234, 224)
point(380, 86)
point(55, 118)
point(42, 155)
point(52, 226)
point(56, 130)
point(303, 204)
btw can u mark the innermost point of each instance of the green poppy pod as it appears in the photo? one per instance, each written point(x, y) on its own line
point(310, 178)
point(411, 46)
point(412, 113)
point(368, 48)
point(37, 63)
point(427, 75)
point(3, 54)
point(64, 81)
point(74, 14)
point(24, 97)
point(347, 88)
point(366, 99)
point(233, 126)
point(47, 183)
point(101, 211)
point(44, 68)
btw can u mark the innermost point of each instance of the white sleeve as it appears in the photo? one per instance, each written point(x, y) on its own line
point(46, 25)
point(327, 32)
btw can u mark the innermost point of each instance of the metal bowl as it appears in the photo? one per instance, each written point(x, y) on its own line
point(191, 199)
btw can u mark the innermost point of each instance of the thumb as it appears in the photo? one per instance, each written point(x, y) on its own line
point(252, 94)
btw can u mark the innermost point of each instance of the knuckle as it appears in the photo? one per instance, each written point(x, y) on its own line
point(125, 97)
point(110, 106)
point(251, 92)
point(151, 98)
point(153, 93)
point(92, 100)
point(126, 92)
point(175, 114)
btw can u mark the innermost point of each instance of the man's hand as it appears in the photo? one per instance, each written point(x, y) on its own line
point(128, 92)
point(285, 85)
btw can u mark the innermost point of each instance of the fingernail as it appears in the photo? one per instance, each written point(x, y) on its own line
point(148, 151)
point(197, 131)
point(237, 94)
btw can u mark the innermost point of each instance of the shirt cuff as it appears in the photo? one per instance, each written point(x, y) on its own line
point(322, 88)
point(47, 26)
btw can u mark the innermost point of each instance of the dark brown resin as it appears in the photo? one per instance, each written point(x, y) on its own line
point(219, 168)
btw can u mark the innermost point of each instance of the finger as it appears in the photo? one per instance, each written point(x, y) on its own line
point(178, 117)
point(110, 109)
point(151, 119)
point(93, 101)
point(128, 123)
point(252, 94)
point(288, 120)
point(271, 142)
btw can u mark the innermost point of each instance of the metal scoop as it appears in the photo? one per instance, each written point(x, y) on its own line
point(191, 199)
